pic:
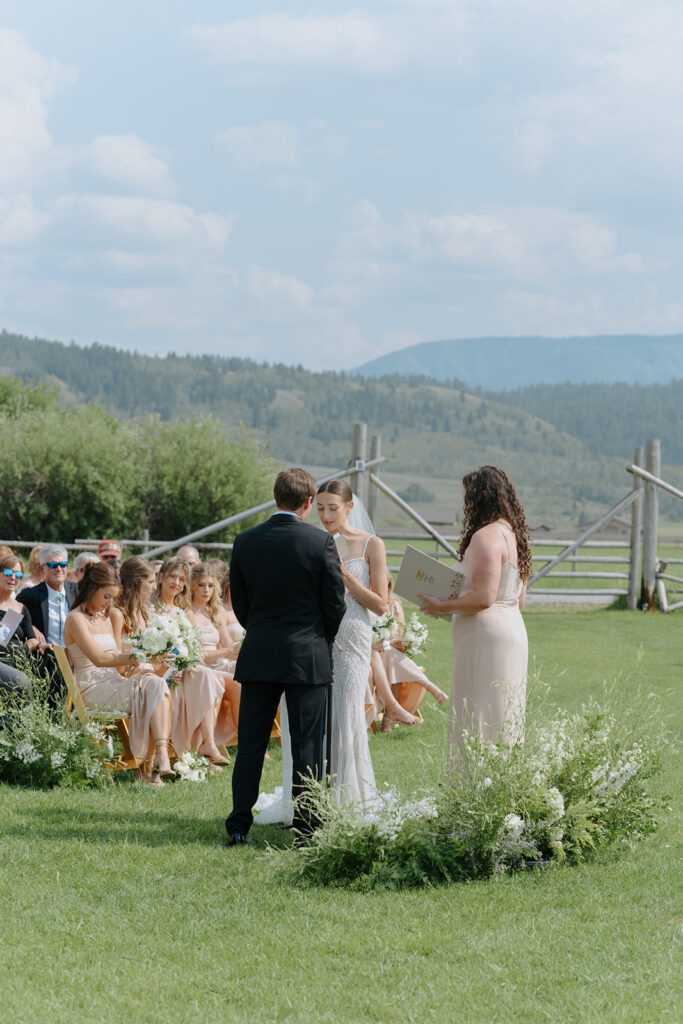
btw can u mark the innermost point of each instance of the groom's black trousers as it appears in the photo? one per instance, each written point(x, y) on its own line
point(258, 707)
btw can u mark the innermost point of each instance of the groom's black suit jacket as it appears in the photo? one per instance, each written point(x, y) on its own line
point(287, 591)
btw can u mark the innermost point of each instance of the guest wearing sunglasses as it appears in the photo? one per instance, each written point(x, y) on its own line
point(23, 638)
point(49, 604)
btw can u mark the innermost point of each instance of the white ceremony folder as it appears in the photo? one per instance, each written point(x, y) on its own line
point(8, 626)
point(422, 574)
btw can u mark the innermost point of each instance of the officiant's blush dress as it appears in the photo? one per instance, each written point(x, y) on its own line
point(490, 656)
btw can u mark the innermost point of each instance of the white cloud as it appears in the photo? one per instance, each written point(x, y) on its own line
point(130, 162)
point(155, 222)
point(20, 221)
point(255, 145)
point(353, 40)
point(524, 241)
point(267, 285)
point(27, 82)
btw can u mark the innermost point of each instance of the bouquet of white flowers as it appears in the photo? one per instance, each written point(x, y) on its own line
point(383, 629)
point(415, 636)
point(168, 634)
point(191, 767)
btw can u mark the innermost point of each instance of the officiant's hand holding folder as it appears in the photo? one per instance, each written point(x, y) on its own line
point(422, 574)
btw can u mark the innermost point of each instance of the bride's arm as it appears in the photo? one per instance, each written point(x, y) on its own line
point(376, 597)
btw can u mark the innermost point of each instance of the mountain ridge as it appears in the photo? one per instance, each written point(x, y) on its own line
point(502, 363)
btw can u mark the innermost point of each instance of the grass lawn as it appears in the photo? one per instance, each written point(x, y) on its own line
point(126, 905)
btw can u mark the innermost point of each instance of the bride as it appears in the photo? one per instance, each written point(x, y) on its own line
point(364, 569)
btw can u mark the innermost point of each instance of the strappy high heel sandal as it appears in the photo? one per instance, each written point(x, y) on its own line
point(162, 764)
point(148, 773)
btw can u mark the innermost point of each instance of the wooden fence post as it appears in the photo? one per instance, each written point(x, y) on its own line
point(653, 463)
point(636, 531)
point(145, 537)
point(375, 453)
point(359, 444)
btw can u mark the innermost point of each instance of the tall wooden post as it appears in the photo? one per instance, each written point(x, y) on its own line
point(145, 537)
point(359, 443)
point(653, 464)
point(375, 453)
point(636, 532)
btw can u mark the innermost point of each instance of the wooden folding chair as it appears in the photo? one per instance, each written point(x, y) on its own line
point(74, 702)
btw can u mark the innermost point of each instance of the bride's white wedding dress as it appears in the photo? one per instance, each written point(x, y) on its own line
point(353, 778)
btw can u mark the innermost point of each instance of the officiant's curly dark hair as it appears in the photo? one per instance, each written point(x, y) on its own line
point(489, 495)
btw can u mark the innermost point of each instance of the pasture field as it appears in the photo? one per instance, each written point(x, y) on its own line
point(125, 905)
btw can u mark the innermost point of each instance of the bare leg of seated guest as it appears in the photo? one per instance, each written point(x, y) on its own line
point(207, 748)
point(394, 714)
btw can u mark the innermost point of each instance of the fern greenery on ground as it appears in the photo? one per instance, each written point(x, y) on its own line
point(124, 904)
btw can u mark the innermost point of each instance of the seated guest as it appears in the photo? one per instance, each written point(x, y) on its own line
point(217, 566)
point(5, 552)
point(23, 638)
point(138, 583)
point(200, 690)
point(236, 629)
point(48, 604)
point(220, 650)
point(188, 554)
point(35, 571)
point(408, 683)
point(108, 550)
point(80, 562)
point(89, 636)
point(132, 611)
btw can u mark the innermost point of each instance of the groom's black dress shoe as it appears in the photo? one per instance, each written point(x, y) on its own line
point(236, 839)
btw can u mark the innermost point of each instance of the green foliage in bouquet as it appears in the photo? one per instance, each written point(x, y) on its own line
point(41, 748)
point(578, 784)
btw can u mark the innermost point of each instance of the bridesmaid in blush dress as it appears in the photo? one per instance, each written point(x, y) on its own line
point(200, 690)
point(490, 648)
point(220, 650)
point(97, 659)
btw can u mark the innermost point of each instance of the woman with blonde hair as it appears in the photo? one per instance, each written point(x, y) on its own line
point(34, 571)
point(200, 690)
point(220, 650)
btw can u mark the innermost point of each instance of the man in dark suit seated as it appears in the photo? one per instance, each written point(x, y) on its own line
point(48, 604)
point(287, 591)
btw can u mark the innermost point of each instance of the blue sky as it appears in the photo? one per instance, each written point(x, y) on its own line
point(322, 184)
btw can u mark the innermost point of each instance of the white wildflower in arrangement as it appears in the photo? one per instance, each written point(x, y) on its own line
point(415, 636)
point(383, 629)
point(42, 749)
point(192, 767)
point(578, 784)
point(168, 635)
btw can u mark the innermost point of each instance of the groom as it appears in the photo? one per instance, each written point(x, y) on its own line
point(287, 591)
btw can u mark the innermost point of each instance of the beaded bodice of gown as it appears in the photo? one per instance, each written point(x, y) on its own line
point(353, 776)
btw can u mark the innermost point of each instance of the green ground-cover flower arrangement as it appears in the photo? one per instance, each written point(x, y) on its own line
point(40, 747)
point(578, 784)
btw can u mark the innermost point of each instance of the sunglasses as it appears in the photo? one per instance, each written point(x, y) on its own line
point(57, 565)
point(13, 572)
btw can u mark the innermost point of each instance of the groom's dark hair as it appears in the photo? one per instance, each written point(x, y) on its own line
point(292, 487)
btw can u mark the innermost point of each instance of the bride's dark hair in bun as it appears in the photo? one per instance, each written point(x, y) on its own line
point(489, 495)
point(339, 487)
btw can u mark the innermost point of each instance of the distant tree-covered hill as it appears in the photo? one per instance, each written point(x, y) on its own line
point(430, 430)
point(499, 363)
